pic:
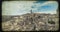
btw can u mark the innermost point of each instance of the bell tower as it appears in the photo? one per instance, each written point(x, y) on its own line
point(31, 11)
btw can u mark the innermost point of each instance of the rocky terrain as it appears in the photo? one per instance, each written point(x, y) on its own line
point(30, 22)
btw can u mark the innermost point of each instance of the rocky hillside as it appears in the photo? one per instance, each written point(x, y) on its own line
point(29, 22)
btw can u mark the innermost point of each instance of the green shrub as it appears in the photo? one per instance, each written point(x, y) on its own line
point(51, 22)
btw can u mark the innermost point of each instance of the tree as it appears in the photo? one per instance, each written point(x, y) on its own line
point(51, 21)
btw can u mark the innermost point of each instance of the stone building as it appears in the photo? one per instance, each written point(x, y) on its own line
point(30, 22)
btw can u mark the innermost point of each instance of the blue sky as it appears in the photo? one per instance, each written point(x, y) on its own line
point(23, 7)
point(47, 8)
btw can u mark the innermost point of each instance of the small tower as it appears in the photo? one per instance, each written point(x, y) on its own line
point(57, 13)
point(31, 11)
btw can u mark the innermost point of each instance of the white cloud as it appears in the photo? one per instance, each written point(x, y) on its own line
point(52, 11)
point(19, 7)
point(16, 7)
point(48, 2)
